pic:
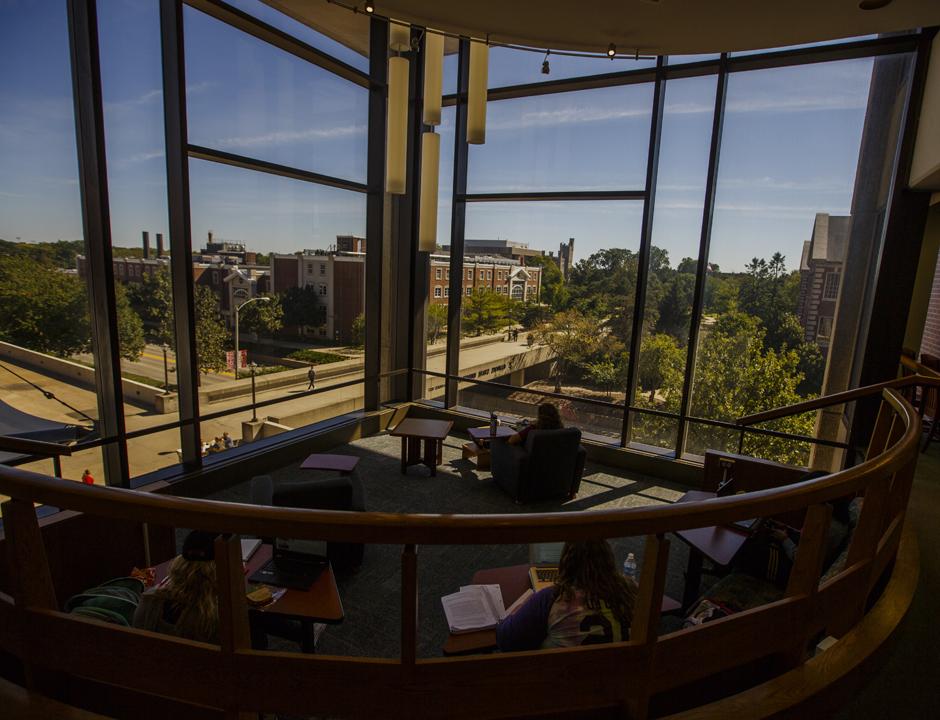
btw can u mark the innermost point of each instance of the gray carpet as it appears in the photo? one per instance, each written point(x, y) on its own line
point(371, 596)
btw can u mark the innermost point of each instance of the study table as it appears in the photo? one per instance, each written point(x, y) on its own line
point(415, 431)
point(320, 604)
point(719, 544)
point(512, 581)
point(479, 449)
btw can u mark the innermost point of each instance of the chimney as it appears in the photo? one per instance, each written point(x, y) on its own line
point(146, 236)
point(159, 245)
point(210, 238)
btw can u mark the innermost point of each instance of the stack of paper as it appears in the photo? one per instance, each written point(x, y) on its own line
point(475, 607)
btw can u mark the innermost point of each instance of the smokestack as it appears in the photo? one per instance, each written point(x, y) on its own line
point(159, 245)
point(210, 237)
point(146, 236)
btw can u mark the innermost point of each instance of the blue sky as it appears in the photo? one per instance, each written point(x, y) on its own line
point(789, 150)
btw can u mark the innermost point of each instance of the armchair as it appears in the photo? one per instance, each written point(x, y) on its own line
point(548, 465)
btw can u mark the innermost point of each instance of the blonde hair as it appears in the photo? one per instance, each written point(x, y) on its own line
point(589, 566)
point(193, 590)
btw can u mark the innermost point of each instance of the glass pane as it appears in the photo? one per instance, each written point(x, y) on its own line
point(837, 41)
point(287, 259)
point(307, 34)
point(677, 221)
point(249, 98)
point(681, 59)
point(510, 66)
point(783, 220)
point(46, 367)
point(587, 140)
point(132, 82)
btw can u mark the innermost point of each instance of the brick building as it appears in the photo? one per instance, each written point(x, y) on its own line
point(501, 275)
point(821, 277)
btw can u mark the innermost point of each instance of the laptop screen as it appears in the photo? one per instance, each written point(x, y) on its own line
point(292, 547)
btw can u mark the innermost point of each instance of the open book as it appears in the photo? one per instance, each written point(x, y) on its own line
point(478, 607)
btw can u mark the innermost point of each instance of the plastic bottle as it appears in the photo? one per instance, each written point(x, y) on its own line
point(629, 567)
point(493, 423)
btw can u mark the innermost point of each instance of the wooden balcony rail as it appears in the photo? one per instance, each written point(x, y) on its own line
point(630, 679)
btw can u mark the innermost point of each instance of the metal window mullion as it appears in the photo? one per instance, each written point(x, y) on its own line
point(704, 247)
point(375, 208)
point(96, 225)
point(646, 240)
point(181, 256)
point(457, 226)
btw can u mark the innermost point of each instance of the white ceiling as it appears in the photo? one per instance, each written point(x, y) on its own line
point(669, 27)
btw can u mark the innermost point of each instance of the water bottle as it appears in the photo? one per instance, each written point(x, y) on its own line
point(493, 423)
point(629, 567)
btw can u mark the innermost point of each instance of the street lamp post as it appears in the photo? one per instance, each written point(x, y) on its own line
point(254, 416)
point(166, 371)
point(265, 298)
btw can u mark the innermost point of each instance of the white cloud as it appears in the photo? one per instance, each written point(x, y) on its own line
point(144, 156)
point(283, 137)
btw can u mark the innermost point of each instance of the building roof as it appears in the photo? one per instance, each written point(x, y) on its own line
point(829, 241)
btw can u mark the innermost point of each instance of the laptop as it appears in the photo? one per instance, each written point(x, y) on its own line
point(544, 558)
point(295, 565)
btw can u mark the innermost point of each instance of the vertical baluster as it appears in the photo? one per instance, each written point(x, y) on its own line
point(234, 634)
point(409, 610)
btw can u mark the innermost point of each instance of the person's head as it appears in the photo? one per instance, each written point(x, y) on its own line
point(192, 587)
point(548, 417)
point(589, 566)
point(87, 472)
point(225, 435)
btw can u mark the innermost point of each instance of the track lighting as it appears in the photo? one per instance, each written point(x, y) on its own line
point(611, 51)
point(545, 67)
point(369, 8)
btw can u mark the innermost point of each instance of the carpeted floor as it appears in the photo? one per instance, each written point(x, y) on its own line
point(371, 596)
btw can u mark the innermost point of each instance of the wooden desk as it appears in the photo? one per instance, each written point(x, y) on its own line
point(718, 544)
point(343, 464)
point(412, 432)
point(320, 604)
point(512, 581)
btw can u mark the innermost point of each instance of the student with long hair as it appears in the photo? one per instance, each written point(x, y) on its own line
point(590, 602)
point(547, 419)
point(187, 604)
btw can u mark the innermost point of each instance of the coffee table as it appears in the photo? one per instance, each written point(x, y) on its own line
point(412, 432)
point(343, 464)
point(478, 450)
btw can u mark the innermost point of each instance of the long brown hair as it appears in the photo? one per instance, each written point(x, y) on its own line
point(192, 589)
point(589, 566)
point(548, 417)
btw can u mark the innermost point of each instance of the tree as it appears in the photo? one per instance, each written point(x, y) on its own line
point(211, 335)
point(573, 337)
point(130, 327)
point(484, 312)
point(604, 285)
point(358, 330)
point(152, 298)
point(660, 367)
point(675, 307)
point(553, 292)
point(605, 373)
point(436, 321)
point(262, 316)
point(302, 308)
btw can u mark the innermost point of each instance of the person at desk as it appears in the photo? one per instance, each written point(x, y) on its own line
point(591, 602)
point(187, 604)
point(547, 419)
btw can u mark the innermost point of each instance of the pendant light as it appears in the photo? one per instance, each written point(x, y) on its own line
point(433, 74)
point(430, 166)
point(396, 137)
point(476, 100)
point(399, 36)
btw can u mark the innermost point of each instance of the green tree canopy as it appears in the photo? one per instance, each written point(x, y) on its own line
point(212, 337)
point(574, 339)
point(262, 316)
point(661, 364)
point(554, 293)
point(436, 321)
point(302, 308)
point(484, 312)
point(152, 298)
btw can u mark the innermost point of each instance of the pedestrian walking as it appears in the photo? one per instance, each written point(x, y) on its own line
point(312, 377)
point(87, 478)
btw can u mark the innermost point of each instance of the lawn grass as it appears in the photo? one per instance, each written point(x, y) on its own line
point(317, 357)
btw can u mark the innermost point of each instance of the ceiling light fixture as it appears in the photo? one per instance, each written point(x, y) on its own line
point(545, 66)
point(369, 8)
point(611, 51)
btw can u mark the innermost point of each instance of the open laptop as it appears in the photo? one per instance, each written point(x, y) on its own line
point(544, 558)
point(294, 565)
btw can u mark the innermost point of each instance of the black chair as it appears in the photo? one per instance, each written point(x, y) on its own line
point(548, 465)
point(340, 493)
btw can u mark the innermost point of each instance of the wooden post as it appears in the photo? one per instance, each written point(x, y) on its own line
point(645, 626)
point(31, 581)
point(234, 634)
point(879, 435)
point(409, 611)
point(805, 574)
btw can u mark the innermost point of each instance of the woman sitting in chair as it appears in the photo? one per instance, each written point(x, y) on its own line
point(187, 604)
point(548, 419)
point(591, 602)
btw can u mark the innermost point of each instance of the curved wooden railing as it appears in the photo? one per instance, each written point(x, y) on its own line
point(621, 676)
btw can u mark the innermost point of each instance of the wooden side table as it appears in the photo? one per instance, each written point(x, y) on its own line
point(413, 432)
point(343, 464)
point(478, 451)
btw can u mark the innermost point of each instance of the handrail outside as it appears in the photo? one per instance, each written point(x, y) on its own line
point(446, 529)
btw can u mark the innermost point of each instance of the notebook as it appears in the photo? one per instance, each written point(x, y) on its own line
point(296, 564)
point(249, 546)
